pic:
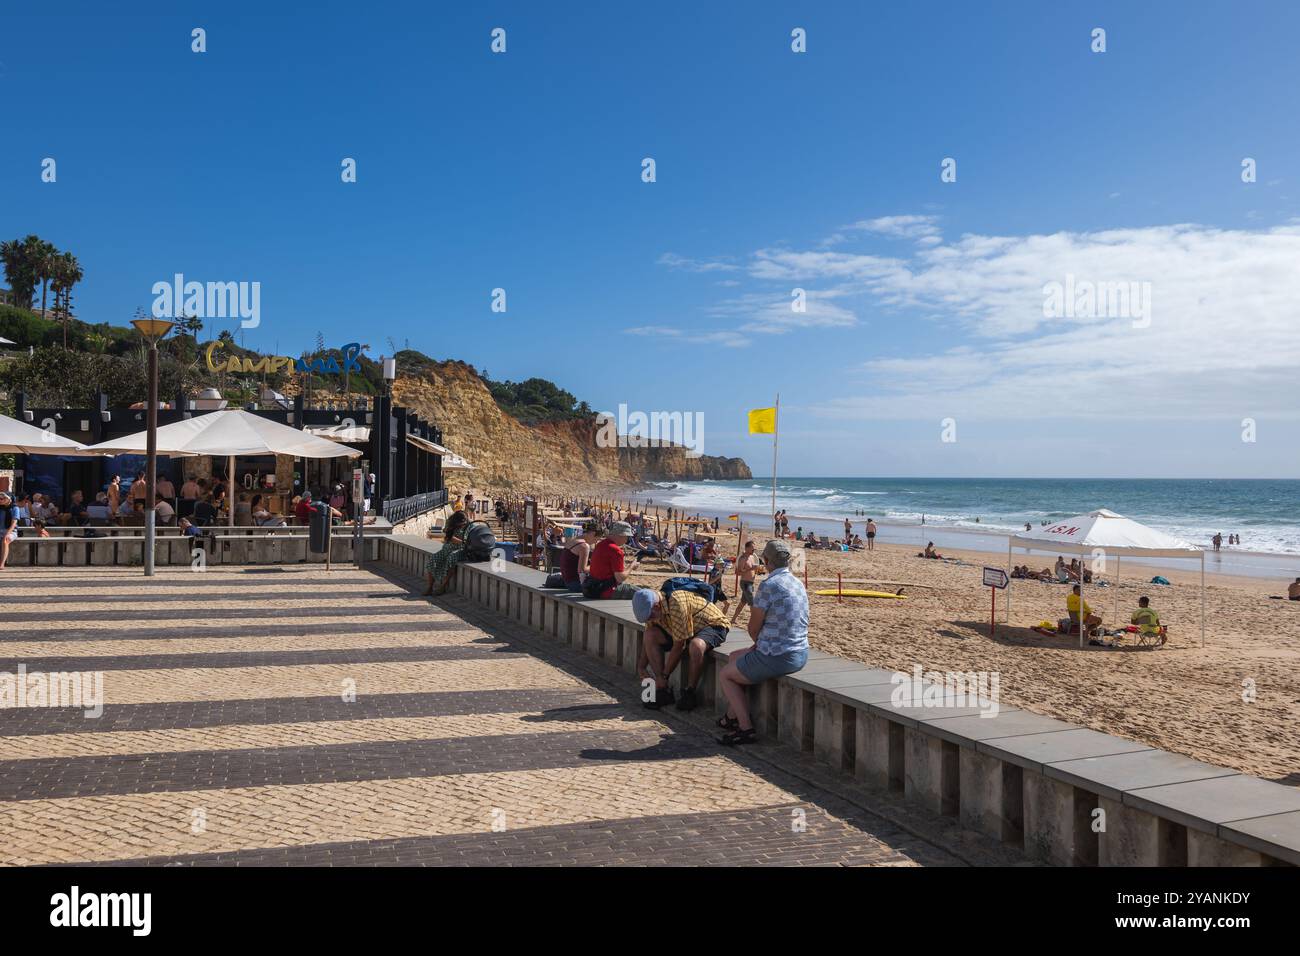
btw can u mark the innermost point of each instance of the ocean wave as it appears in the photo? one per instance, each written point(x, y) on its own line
point(1003, 506)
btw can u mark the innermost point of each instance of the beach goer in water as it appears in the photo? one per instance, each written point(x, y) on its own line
point(871, 534)
point(747, 567)
point(1218, 541)
point(1293, 591)
point(1072, 602)
point(682, 623)
point(1147, 620)
point(778, 625)
point(441, 564)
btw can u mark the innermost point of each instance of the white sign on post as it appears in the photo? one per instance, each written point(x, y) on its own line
point(358, 486)
point(995, 578)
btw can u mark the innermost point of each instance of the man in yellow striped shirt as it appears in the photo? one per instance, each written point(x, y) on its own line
point(682, 623)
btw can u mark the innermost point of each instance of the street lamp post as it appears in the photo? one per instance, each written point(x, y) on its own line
point(152, 330)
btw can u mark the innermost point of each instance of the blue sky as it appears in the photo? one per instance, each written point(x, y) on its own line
point(775, 171)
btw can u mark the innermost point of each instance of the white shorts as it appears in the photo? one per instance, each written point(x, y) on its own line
point(12, 535)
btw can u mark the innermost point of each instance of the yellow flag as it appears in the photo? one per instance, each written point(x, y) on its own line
point(762, 421)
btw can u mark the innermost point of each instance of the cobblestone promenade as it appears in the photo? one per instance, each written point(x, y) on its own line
point(293, 716)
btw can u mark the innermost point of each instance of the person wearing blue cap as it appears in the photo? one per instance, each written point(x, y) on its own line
point(681, 623)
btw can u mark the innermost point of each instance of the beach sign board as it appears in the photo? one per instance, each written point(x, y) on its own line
point(995, 579)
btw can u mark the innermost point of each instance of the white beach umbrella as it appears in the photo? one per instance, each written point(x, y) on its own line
point(452, 462)
point(20, 438)
point(1103, 534)
point(228, 433)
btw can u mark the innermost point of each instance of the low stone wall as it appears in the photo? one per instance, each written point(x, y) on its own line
point(172, 550)
point(1064, 794)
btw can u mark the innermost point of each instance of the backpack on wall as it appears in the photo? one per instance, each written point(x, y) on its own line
point(694, 585)
point(480, 542)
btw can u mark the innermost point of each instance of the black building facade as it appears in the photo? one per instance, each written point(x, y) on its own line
point(397, 446)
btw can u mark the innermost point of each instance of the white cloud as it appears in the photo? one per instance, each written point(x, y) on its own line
point(724, 337)
point(1221, 343)
point(683, 264)
point(773, 314)
point(899, 227)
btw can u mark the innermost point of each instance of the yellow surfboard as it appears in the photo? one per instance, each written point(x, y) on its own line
point(831, 592)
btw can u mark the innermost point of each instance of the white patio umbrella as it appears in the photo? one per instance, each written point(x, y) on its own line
point(1105, 533)
point(452, 462)
point(22, 439)
point(228, 433)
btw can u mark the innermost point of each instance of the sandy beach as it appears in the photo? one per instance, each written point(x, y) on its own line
point(1234, 702)
point(1183, 697)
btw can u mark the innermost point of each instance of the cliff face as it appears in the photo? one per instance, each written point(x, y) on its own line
point(506, 452)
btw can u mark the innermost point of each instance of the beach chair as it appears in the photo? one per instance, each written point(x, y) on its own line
point(1146, 637)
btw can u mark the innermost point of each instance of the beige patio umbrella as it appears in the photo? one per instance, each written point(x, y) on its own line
point(228, 433)
point(19, 438)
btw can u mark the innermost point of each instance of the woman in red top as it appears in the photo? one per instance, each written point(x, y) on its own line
point(606, 577)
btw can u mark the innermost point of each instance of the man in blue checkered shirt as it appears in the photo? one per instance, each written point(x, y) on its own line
point(778, 625)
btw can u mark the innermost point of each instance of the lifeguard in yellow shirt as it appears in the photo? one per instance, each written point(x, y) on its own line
point(1090, 620)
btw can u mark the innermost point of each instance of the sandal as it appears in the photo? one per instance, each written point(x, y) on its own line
point(728, 723)
point(738, 737)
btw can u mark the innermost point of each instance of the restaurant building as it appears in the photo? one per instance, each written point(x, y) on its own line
point(402, 451)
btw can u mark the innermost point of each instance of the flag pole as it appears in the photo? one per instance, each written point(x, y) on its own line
point(776, 428)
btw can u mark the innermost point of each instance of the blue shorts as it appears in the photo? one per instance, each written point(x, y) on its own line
point(758, 667)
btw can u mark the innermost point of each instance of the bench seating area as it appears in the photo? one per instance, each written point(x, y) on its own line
point(215, 546)
point(1031, 781)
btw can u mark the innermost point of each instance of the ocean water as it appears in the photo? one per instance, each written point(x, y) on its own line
point(1266, 513)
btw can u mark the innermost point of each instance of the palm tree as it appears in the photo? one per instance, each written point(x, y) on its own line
point(44, 260)
point(67, 273)
point(20, 269)
point(191, 325)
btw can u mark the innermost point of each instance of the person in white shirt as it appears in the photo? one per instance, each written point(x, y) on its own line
point(163, 509)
